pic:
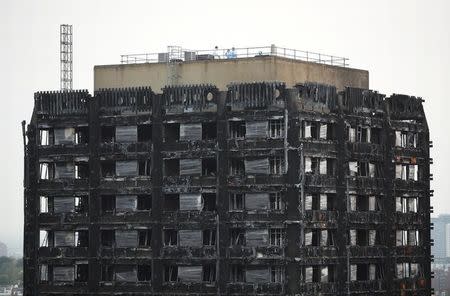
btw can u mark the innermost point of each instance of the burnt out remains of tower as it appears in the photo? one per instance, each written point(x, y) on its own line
point(302, 183)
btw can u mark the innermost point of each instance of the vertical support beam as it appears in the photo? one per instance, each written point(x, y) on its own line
point(94, 196)
point(157, 195)
point(424, 207)
point(222, 196)
point(294, 216)
point(341, 207)
point(31, 208)
point(387, 141)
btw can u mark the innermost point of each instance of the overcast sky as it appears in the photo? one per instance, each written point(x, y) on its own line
point(404, 44)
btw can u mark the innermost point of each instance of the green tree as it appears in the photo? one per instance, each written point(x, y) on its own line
point(10, 270)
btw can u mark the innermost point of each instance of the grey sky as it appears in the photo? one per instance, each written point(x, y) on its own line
point(405, 44)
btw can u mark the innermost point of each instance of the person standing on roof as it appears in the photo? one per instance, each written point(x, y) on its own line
point(233, 54)
point(228, 54)
point(216, 52)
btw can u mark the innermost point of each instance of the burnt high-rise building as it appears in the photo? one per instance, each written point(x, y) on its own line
point(304, 182)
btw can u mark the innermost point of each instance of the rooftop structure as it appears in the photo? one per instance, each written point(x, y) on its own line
point(212, 67)
point(287, 187)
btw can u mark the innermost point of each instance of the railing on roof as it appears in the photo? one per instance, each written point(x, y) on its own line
point(243, 52)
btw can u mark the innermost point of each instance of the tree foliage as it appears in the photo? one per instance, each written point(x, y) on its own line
point(10, 270)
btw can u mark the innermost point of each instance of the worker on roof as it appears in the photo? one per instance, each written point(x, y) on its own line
point(228, 54)
point(233, 53)
point(216, 52)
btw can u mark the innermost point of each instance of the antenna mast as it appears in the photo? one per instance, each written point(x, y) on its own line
point(66, 57)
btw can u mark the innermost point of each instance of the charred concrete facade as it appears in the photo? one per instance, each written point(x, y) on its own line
point(260, 189)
